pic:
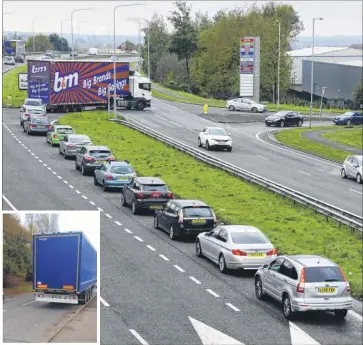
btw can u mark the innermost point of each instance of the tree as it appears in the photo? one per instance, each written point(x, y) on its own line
point(171, 72)
point(358, 94)
point(40, 223)
point(58, 43)
point(128, 45)
point(184, 41)
point(42, 43)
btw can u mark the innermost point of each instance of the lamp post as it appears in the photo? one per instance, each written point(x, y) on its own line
point(114, 53)
point(312, 70)
point(63, 21)
point(278, 67)
point(33, 32)
point(81, 9)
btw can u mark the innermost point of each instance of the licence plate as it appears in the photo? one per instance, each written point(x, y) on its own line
point(100, 162)
point(122, 178)
point(155, 207)
point(198, 221)
point(255, 254)
point(327, 290)
point(41, 126)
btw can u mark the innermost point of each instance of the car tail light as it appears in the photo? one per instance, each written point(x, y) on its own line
point(214, 219)
point(89, 158)
point(32, 125)
point(301, 286)
point(108, 177)
point(139, 195)
point(134, 176)
point(49, 126)
point(169, 195)
point(272, 252)
point(111, 158)
point(181, 217)
point(71, 145)
point(345, 279)
point(238, 252)
point(26, 114)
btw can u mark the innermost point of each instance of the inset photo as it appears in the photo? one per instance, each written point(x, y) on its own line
point(50, 277)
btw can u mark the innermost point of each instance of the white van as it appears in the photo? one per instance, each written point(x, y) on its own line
point(93, 51)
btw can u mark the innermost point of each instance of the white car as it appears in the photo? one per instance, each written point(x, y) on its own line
point(9, 60)
point(245, 104)
point(215, 137)
point(32, 106)
point(93, 51)
point(352, 168)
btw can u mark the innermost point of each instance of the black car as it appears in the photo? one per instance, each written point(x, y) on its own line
point(285, 118)
point(185, 217)
point(19, 59)
point(146, 193)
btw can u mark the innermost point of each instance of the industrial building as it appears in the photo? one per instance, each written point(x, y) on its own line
point(336, 69)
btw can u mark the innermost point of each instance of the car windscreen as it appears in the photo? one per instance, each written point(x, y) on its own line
point(99, 153)
point(349, 113)
point(41, 120)
point(121, 170)
point(78, 140)
point(280, 114)
point(65, 130)
point(154, 188)
point(199, 211)
point(217, 131)
point(33, 103)
point(36, 112)
point(323, 274)
point(248, 238)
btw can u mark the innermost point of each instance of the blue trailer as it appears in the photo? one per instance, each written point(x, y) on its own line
point(64, 267)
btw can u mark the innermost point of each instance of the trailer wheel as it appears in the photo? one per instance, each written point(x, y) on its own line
point(82, 297)
point(140, 105)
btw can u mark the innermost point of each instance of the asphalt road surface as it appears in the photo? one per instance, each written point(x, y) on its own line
point(154, 290)
point(315, 177)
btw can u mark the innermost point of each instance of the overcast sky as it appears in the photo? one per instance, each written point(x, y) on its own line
point(340, 17)
point(86, 221)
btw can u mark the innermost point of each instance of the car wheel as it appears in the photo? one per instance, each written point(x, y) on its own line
point(282, 123)
point(21, 123)
point(27, 132)
point(140, 105)
point(349, 122)
point(171, 233)
point(254, 110)
point(299, 123)
point(123, 201)
point(24, 129)
point(231, 108)
point(198, 249)
point(104, 187)
point(268, 124)
point(199, 143)
point(222, 264)
point(95, 181)
point(359, 179)
point(258, 289)
point(65, 156)
point(207, 146)
point(133, 207)
point(343, 173)
point(76, 165)
point(156, 222)
point(229, 149)
point(341, 314)
point(60, 152)
point(83, 170)
point(287, 307)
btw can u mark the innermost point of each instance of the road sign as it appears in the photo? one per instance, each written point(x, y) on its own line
point(23, 81)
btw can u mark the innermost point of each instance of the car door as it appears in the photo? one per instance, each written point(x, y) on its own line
point(162, 215)
point(99, 173)
point(63, 143)
point(289, 119)
point(202, 136)
point(171, 216)
point(218, 241)
point(349, 167)
point(79, 156)
point(208, 240)
point(355, 166)
point(130, 192)
point(282, 278)
point(359, 118)
point(27, 122)
point(270, 276)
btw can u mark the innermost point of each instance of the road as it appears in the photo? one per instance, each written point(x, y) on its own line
point(255, 153)
point(154, 291)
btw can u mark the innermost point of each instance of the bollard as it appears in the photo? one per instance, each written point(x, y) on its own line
point(205, 108)
point(10, 101)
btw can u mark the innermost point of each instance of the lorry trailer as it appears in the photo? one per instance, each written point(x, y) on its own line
point(64, 267)
point(74, 85)
point(14, 47)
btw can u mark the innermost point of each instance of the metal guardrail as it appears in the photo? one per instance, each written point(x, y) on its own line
point(341, 216)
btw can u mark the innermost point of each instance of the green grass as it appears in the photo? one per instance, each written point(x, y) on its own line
point(10, 88)
point(22, 287)
point(292, 228)
point(186, 97)
point(295, 138)
point(350, 137)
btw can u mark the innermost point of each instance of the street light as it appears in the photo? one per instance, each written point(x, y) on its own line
point(114, 53)
point(278, 66)
point(81, 9)
point(63, 21)
point(33, 32)
point(312, 70)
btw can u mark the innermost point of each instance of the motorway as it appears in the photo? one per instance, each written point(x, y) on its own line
point(154, 291)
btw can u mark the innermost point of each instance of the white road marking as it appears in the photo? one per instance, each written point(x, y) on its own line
point(60, 177)
point(179, 268)
point(299, 337)
point(118, 223)
point(104, 302)
point(305, 173)
point(33, 154)
point(78, 192)
point(263, 157)
point(25, 147)
point(232, 306)
point(212, 293)
point(195, 280)
point(210, 336)
point(138, 337)
point(9, 203)
point(45, 164)
point(128, 231)
point(139, 239)
point(92, 203)
point(107, 215)
point(29, 303)
point(4, 310)
point(355, 191)
point(49, 168)
point(70, 186)
point(40, 161)
point(84, 197)
point(151, 248)
point(99, 209)
point(66, 182)
point(355, 315)
point(164, 257)
point(54, 172)
point(36, 157)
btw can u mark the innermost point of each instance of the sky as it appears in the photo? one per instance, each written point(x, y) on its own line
point(86, 221)
point(341, 18)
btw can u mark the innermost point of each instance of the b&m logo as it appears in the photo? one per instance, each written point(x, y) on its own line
point(66, 82)
point(38, 69)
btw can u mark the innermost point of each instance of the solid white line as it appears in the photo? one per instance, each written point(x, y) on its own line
point(139, 239)
point(356, 315)
point(78, 192)
point(84, 197)
point(107, 215)
point(151, 248)
point(164, 257)
point(129, 231)
point(232, 306)
point(195, 280)
point(263, 157)
point(118, 223)
point(29, 303)
point(179, 268)
point(99, 209)
point(138, 337)
point(9, 203)
point(212, 293)
point(355, 191)
point(305, 173)
point(70, 186)
point(104, 302)
point(92, 203)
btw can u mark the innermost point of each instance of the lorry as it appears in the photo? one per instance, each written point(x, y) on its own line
point(64, 267)
point(66, 85)
point(14, 47)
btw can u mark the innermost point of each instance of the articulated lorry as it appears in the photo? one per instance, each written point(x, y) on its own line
point(64, 267)
point(14, 47)
point(75, 85)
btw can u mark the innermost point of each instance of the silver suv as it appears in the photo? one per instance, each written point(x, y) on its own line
point(305, 283)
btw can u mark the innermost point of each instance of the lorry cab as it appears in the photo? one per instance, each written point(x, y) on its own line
point(93, 51)
point(140, 87)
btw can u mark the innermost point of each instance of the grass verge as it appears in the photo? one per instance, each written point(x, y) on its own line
point(22, 287)
point(295, 138)
point(350, 137)
point(10, 88)
point(185, 97)
point(292, 228)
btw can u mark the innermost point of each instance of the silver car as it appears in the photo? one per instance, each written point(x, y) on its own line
point(305, 283)
point(29, 105)
point(352, 168)
point(236, 247)
point(70, 143)
point(245, 104)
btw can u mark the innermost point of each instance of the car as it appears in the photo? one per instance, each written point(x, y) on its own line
point(349, 118)
point(146, 193)
point(31, 112)
point(31, 104)
point(46, 58)
point(19, 59)
point(114, 174)
point(245, 104)
point(37, 124)
point(304, 283)
point(88, 158)
point(9, 60)
point(70, 143)
point(57, 133)
point(215, 137)
point(352, 168)
point(182, 218)
point(235, 247)
point(73, 53)
point(285, 118)
point(93, 51)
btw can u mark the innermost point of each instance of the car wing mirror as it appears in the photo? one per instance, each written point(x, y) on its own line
point(265, 266)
